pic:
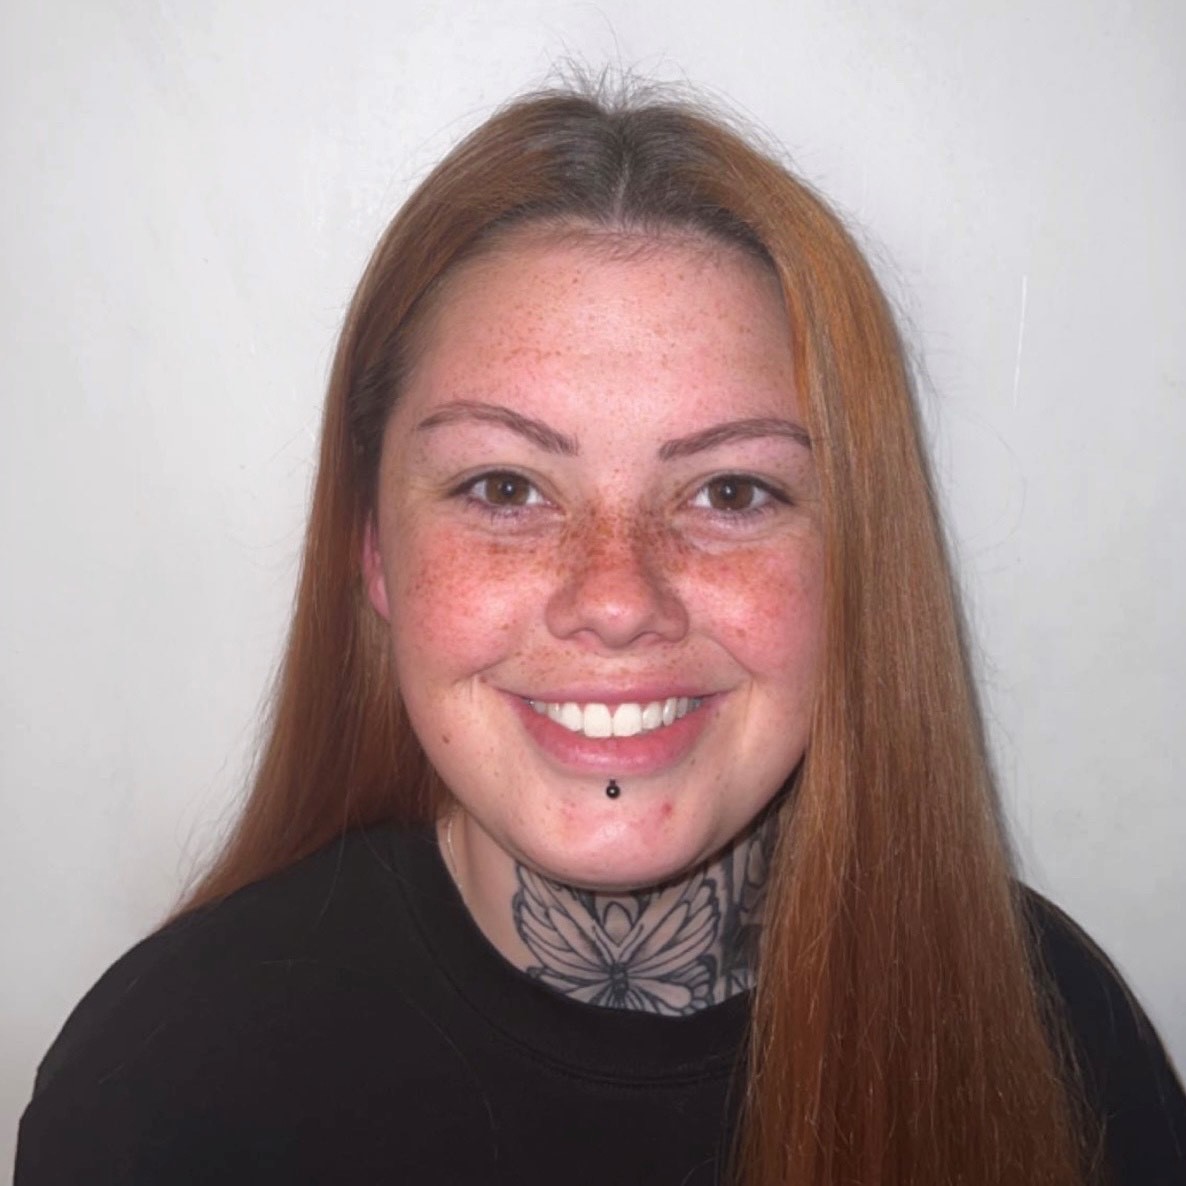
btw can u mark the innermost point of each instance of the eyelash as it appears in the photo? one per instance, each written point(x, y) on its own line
point(771, 496)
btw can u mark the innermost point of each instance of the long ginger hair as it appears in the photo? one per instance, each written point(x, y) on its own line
point(900, 1031)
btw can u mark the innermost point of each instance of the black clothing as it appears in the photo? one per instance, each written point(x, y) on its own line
point(345, 1022)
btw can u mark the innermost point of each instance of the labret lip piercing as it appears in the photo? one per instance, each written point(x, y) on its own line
point(613, 790)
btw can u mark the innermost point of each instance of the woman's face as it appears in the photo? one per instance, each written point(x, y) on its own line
point(597, 546)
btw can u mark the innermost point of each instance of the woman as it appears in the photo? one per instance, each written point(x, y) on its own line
point(625, 812)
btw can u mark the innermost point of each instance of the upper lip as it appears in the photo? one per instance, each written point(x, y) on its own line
point(635, 694)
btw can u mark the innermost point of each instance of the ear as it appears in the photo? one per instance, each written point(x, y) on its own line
point(372, 571)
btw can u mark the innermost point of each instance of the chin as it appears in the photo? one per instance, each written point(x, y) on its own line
point(618, 862)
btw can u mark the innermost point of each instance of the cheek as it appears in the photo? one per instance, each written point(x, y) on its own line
point(457, 599)
point(765, 608)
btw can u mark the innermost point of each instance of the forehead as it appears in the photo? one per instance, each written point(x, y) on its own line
point(582, 316)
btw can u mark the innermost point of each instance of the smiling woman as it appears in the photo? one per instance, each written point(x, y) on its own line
point(624, 571)
point(562, 566)
point(624, 815)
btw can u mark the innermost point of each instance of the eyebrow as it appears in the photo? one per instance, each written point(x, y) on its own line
point(534, 430)
point(547, 438)
point(734, 430)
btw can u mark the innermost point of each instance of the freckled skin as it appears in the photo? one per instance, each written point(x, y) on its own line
point(615, 568)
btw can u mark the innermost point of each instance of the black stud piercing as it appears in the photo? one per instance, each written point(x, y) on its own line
point(613, 790)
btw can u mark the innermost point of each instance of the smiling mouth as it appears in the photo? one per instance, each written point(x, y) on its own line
point(619, 720)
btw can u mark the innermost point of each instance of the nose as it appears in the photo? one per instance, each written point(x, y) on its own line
point(613, 592)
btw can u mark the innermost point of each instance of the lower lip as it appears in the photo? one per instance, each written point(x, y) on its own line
point(652, 752)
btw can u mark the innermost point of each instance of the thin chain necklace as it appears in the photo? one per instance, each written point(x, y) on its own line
point(450, 855)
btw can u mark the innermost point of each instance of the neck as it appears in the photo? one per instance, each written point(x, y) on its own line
point(670, 949)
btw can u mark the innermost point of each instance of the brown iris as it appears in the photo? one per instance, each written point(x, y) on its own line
point(731, 494)
point(505, 490)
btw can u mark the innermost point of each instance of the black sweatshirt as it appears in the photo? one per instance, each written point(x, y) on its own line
point(344, 1022)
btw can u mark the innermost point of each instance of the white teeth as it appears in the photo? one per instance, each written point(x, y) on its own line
point(627, 720)
point(623, 720)
point(598, 722)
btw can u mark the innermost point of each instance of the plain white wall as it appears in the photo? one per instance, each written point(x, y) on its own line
point(189, 193)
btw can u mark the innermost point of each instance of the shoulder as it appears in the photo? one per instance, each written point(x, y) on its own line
point(226, 1029)
point(1126, 1076)
point(304, 917)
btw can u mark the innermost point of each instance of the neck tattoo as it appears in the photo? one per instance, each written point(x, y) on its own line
point(672, 949)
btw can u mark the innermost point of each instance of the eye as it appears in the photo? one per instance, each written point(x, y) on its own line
point(733, 493)
point(503, 490)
